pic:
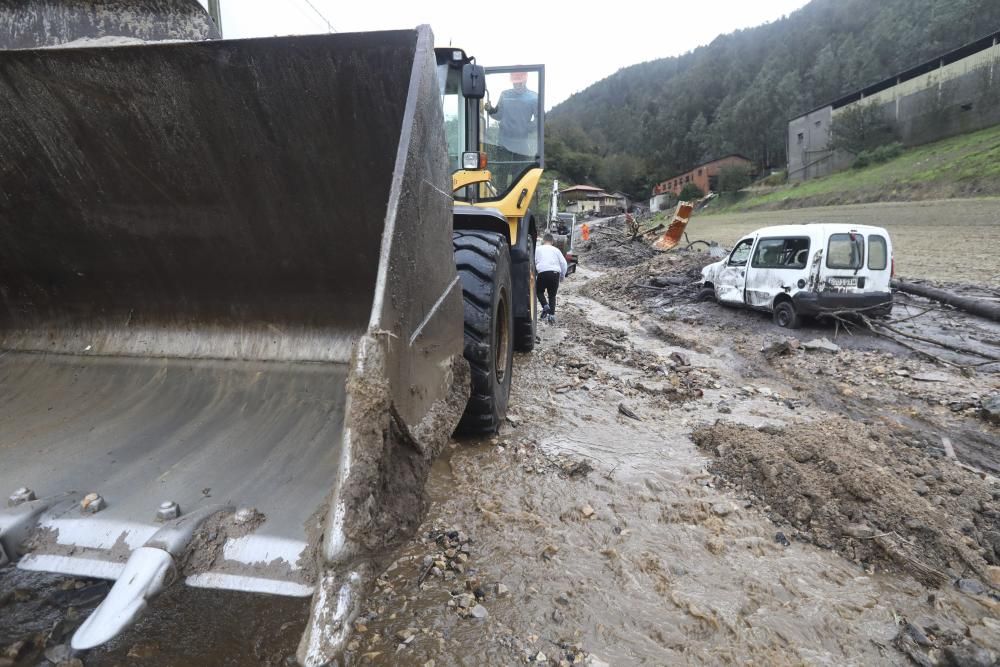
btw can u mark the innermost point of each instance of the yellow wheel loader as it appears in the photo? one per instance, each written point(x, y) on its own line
point(232, 331)
point(496, 153)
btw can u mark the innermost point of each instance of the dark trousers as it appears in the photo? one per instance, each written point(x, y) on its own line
point(546, 285)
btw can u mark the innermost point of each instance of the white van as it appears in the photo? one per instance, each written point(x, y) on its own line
point(797, 270)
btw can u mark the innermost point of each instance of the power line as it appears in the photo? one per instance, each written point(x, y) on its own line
point(329, 26)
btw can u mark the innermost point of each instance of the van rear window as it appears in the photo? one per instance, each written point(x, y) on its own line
point(846, 251)
point(878, 253)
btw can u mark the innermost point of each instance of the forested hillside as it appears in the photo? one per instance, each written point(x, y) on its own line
point(650, 121)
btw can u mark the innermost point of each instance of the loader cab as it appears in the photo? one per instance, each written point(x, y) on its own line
point(515, 119)
point(494, 133)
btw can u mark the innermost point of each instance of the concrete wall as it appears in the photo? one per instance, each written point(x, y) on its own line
point(960, 97)
point(808, 136)
point(582, 206)
point(660, 203)
point(949, 101)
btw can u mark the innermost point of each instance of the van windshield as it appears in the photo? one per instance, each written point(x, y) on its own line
point(846, 251)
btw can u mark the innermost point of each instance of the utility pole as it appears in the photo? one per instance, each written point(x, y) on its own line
point(215, 11)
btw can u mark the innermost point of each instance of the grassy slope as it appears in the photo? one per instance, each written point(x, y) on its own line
point(963, 166)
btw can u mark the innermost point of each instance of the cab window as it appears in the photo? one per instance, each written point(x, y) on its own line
point(846, 251)
point(878, 253)
point(781, 253)
point(741, 253)
point(514, 125)
point(453, 106)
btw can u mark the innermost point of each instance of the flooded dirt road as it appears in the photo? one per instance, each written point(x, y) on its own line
point(594, 530)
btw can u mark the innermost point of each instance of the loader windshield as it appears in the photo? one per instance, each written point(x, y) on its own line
point(514, 123)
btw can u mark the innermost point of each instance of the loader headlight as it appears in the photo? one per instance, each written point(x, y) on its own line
point(473, 160)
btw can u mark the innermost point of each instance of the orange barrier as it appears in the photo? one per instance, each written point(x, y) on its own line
point(675, 231)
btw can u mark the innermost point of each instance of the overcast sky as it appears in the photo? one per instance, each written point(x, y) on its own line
point(578, 43)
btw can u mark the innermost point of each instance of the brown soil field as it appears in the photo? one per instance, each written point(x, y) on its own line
point(953, 240)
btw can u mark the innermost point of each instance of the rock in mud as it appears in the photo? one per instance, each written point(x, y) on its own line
point(722, 509)
point(779, 348)
point(681, 358)
point(821, 345)
point(628, 412)
point(587, 511)
point(58, 653)
point(479, 611)
point(969, 655)
point(859, 531)
point(970, 586)
point(991, 409)
point(715, 545)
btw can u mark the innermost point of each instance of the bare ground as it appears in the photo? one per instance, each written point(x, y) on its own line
point(822, 520)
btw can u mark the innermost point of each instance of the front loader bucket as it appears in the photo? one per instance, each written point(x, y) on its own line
point(230, 323)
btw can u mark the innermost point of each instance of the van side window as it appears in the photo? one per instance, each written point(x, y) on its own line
point(741, 253)
point(790, 253)
point(846, 251)
point(878, 253)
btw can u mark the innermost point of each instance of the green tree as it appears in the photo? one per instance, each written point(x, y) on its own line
point(861, 127)
point(690, 192)
point(734, 178)
point(747, 84)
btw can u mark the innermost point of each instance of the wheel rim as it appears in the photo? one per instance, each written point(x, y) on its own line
point(783, 316)
point(502, 338)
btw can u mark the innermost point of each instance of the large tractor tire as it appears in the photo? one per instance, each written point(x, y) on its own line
point(526, 328)
point(483, 263)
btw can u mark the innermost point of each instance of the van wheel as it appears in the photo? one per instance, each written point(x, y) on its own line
point(706, 294)
point(483, 263)
point(786, 316)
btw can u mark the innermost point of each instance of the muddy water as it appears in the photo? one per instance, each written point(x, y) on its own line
point(667, 570)
point(182, 626)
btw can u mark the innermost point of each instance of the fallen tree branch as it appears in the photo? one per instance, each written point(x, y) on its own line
point(900, 342)
point(979, 307)
point(931, 341)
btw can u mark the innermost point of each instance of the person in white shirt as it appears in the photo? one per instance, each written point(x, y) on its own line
point(551, 268)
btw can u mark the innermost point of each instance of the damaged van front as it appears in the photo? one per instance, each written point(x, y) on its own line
point(806, 270)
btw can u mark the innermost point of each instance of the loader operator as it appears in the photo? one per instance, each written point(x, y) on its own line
point(551, 267)
point(516, 111)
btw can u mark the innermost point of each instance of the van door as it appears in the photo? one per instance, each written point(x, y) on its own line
point(848, 256)
point(730, 284)
point(777, 265)
point(879, 263)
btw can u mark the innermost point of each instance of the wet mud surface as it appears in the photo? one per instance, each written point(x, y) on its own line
point(663, 492)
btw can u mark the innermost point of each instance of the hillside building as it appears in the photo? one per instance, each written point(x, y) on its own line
point(587, 198)
point(955, 93)
point(705, 176)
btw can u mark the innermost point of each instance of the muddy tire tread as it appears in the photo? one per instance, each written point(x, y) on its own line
point(478, 258)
